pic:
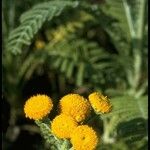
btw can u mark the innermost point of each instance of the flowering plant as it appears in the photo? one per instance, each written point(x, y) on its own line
point(59, 46)
point(70, 128)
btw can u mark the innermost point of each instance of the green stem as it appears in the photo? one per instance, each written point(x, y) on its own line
point(129, 18)
point(109, 127)
point(11, 14)
point(142, 89)
point(138, 46)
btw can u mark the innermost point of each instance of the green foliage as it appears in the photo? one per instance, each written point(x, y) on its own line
point(135, 107)
point(82, 60)
point(32, 21)
point(120, 24)
point(129, 118)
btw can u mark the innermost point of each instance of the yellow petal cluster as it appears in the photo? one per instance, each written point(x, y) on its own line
point(100, 103)
point(75, 106)
point(63, 125)
point(84, 138)
point(74, 109)
point(38, 107)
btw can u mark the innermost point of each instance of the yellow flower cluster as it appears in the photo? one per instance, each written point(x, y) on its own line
point(74, 109)
point(100, 103)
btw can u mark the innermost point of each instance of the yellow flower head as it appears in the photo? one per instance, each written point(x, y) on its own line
point(84, 138)
point(76, 106)
point(100, 103)
point(39, 44)
point(63, 125)
point(38, 107)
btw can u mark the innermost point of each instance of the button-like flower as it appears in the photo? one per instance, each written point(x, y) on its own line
point(63, 125)
point(100, 103)
point(75, 106)
point(84, 138)
point(37, 107)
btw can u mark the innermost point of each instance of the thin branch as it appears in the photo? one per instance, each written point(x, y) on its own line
point(129, 18)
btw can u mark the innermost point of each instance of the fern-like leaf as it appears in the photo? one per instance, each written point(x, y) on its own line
point(128, 118)
point(125, 105)
point(32, 21)
point(78, 59)
point(117, 10)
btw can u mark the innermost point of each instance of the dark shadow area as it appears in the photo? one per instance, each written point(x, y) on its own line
point(25, 141)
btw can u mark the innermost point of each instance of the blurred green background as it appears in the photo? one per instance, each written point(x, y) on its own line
point(80, 47)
